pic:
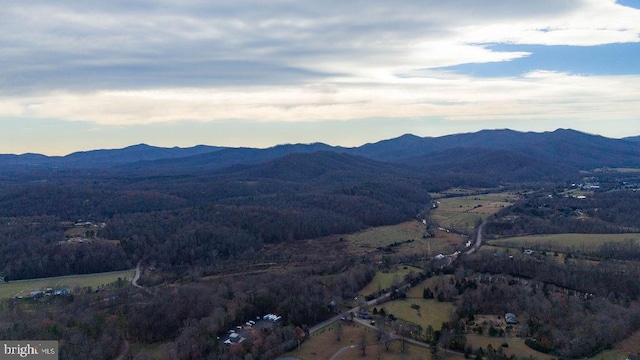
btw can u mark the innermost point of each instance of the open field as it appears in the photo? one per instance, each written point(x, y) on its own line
point(323, 345)
point(611, 355)
point(432, 312)
point(440, 281)
point(516, 346)
point(515, 251)
point(458, 192)
point(24, 287)
point(618, 170)
point(462, 213)
point(371, 239)
point(562, 242)
point(384, 280)
point(628, 346)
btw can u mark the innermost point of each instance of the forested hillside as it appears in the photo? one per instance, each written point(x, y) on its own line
point(198, 218)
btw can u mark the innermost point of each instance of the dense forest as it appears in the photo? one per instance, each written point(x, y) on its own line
point(198, 219)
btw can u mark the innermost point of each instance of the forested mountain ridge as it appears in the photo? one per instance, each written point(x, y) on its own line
point(226, 202)
point(103, 157)
point(563, 146)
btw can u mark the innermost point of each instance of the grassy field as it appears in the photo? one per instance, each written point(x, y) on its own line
point(611, 355)
point(384, 280)
point(457, 192)
point(561, 242)
point(431, 311)
point(381, 236)
point(440, 281)
point(630, 345)
point(24, 287)
point(516, 346)
point(323, 345)
point(462, 213)
point(369, 240)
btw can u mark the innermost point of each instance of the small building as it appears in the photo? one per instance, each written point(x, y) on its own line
point(510, 319)
point(235, 338)
point(272, 318)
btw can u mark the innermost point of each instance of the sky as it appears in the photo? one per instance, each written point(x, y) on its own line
point(81, 75)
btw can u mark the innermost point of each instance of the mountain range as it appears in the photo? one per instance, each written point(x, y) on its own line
point(502, 153)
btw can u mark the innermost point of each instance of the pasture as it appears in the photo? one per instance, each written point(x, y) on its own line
point(631, 345)
point(564, 242)
point(431, 312)
point(371, 239)
point(24, 287)
point(439, 282)
point(324, 344)
point(384, 280)
point(516, 346)
point(461, 213)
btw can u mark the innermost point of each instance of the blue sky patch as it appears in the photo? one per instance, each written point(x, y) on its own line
point(630, 3)
point(611, 59)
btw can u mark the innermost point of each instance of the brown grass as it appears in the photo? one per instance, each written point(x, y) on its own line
point(463, 212)
point(368, 240)
point(384, 280)
point(631, 345)
point(24, 287)
point(323, 345)
point(561, 242)
point(440, 281)
point(431, 311)
point(516, 346)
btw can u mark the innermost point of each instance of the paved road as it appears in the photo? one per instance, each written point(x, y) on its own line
point(478, 242)
point(134, 282)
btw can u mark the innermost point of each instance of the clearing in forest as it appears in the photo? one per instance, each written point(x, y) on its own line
point(25, 287)
point(406, 238)
point(463, 212)
point(564, 242)
point(324, 344)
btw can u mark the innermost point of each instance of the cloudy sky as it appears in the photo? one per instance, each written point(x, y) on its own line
point(79, 75)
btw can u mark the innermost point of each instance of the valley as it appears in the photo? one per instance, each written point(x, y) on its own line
point(368, 250)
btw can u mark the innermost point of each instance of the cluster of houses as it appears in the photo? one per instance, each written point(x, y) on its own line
point(235, 336)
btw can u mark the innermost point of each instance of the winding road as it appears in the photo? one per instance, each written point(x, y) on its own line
point(478, 242)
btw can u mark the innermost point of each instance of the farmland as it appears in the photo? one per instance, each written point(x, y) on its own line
point(564, 242)
point(461, 213)
point(324, 344)
point(24, 287)
point(379, 237)
point(430, 311)
point(516, 346)
point(384, 280)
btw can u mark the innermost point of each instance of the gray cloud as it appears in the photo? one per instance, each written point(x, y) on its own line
point(84, 46)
